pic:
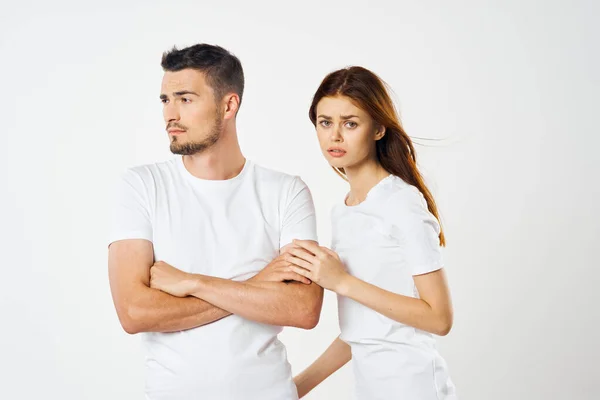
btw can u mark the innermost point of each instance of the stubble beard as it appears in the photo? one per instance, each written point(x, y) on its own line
point(191, 148)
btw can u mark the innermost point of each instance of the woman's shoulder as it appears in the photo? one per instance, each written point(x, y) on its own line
point(399, 192)
point(403, 202)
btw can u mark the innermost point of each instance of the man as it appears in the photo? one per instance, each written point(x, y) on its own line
point(197, 257)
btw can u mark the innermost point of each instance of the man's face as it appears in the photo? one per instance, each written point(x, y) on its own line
point(193, 118)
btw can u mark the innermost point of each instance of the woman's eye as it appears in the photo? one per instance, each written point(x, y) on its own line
point(351, 124)
point(325, 123)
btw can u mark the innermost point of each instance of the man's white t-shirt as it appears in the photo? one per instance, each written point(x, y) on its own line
point(228, 229)
point(386, 240)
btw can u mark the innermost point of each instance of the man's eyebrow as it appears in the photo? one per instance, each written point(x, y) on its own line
point(184, 92)
point(178, 94)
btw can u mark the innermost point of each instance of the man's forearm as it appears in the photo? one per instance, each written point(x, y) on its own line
point(156, 311)
point(275, 303)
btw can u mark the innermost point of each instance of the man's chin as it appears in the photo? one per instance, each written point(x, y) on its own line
point(181, 151)
point(179, 148)
point(187, 149)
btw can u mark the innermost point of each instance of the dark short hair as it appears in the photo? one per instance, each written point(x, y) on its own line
point(223, 70)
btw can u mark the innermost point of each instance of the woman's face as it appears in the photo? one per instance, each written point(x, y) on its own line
point(346, 133)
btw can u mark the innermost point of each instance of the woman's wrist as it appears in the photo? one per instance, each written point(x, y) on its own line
point(302, 383)
point(344, 287)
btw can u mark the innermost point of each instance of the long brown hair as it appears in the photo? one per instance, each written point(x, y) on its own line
point(395, 150)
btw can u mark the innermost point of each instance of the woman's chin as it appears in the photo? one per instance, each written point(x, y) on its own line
point(337, 163)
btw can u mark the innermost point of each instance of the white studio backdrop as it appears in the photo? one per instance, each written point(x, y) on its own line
point(510, 86)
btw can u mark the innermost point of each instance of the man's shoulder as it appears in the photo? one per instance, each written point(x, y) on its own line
point(274, 181)
point(269, 175)
point(149, 174)
point(152, 169)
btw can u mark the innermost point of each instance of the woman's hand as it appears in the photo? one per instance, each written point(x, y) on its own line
point(319, 264)
point(279, 270)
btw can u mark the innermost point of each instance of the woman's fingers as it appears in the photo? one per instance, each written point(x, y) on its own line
point(302, 271)
point(299, 262)
point(309, 245)
point(301, 254)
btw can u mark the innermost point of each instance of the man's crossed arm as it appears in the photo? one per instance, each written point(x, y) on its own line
point(157, 297)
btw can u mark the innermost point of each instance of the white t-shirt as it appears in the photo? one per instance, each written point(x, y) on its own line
point(385, 240)
point(229, 229)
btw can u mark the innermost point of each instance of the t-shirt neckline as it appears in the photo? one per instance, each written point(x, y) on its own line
point(370, 194)
point(215, 183)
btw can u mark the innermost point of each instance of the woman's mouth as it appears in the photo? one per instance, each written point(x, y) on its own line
point(336, 152)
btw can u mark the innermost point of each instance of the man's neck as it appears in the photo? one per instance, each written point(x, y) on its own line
point(224, 160)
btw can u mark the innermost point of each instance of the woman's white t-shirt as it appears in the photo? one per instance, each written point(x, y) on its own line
point(385, 240)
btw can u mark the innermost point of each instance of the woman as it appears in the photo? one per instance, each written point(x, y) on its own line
point(385, 263)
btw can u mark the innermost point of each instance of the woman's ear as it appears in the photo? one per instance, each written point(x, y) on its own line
point(380, 132)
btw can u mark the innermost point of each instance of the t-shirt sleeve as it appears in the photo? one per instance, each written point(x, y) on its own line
point(130, 211)
point(416, 230)
point(298, 220)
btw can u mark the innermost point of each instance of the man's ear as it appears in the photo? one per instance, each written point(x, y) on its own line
point(232, 105)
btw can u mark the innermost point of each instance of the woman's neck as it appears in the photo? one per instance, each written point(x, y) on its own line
point(362, 179)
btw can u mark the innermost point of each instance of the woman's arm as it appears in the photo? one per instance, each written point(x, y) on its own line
point(334, 358)
point(432, 312)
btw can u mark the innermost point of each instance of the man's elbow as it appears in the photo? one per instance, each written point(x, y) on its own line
point(131, 327)
point(309, 320)
point(312, 313)
point(130, 320)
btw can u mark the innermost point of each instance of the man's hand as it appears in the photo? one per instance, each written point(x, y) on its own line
point(177, 283)
point(279, 270)
point(171, 280)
